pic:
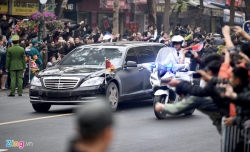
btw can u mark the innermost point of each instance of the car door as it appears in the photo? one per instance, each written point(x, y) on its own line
point(131, 77)
point(146, 56)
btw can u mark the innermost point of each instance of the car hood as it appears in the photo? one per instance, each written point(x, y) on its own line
point(72, 71)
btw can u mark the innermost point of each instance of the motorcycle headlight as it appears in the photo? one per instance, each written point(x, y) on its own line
point(93, 82)
point(36, 82)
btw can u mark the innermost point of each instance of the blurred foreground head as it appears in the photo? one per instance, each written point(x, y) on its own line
point(94, 125)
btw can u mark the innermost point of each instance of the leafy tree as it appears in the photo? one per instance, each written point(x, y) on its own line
point(152, 12)
point(180, 6)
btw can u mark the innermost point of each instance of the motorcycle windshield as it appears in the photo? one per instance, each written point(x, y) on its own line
point(165, 56)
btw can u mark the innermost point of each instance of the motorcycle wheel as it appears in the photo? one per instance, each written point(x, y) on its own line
point(161, 99)
point(189, 112)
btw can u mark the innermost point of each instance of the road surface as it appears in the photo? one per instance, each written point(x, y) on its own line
point(136, 129)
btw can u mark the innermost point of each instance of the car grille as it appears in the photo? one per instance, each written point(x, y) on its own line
point(60, 82)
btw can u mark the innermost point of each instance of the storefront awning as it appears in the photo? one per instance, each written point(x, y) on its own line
point(209, 9)
point(215, 11)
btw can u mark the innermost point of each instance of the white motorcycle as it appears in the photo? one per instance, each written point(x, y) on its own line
point(162, 72)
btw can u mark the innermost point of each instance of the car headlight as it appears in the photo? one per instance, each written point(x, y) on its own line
point(36, 82)
point(93, 82)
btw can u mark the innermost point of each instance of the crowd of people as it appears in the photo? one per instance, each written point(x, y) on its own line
point(224, 64)
point(225, 95)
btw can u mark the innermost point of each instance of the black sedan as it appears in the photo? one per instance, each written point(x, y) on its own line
point(81, 75)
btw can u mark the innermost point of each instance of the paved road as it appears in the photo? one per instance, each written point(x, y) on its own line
point(136, 129)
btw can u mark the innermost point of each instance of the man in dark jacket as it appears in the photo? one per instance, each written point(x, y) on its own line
point(77, 42)
point(69, 29)
point(52, 50)
point(5, 25)
point(15, 63)
point(240, 93)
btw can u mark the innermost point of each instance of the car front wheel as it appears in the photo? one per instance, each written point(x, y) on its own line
point(112, 96)
point(41, 107)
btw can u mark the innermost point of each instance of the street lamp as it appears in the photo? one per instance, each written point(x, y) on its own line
point(44, 56)
point(42, 2)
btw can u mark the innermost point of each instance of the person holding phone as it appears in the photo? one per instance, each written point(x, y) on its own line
point(69, 29)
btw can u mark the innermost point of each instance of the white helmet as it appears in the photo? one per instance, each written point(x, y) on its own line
point(178, 39)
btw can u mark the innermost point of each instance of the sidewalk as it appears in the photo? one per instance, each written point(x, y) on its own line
point(7, 92)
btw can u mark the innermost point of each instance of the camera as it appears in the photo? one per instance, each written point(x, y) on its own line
point(231, 29)
point(196, 75)
point(221, 90)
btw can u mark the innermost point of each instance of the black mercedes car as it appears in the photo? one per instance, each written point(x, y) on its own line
point(81, 75)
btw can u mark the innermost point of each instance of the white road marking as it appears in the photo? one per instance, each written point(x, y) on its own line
point(25, 120)
point(3, 150)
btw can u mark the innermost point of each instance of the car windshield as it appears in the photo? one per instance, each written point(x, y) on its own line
point(93, 56)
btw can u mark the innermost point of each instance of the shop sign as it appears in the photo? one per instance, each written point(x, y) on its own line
point(238, 3)
point(64, 3)
point(207, 12)
point(163, 1)
point(24, 7)
point(4, 7)
point(216, 1)
point(140, 8)
point(128, 6)
point(140, 1)
point(110, 4)
point(246, 27)
point(237, 19)
point(218, 13)
point(161, 8)
point(130, 1)
point(70, 7)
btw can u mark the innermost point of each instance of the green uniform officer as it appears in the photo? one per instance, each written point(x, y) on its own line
point(15, 63)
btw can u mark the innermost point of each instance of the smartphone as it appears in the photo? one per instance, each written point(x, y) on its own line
point(231, 29)
point(196, 75)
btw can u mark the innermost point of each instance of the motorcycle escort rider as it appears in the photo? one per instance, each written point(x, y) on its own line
point(179, 53)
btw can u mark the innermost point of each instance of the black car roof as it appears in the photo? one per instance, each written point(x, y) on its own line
point(124, 44)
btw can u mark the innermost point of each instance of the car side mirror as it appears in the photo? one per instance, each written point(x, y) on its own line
point(131, 64)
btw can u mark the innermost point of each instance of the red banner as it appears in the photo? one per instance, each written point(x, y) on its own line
point(110, 4)
point(140, 1)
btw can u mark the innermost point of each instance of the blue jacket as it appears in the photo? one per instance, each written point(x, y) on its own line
point(34, 51)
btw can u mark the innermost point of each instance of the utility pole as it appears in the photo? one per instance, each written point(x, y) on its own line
point(40, 34)
point(116, 17)
point(41, 24)
point(232, 13)
point(166, 16)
